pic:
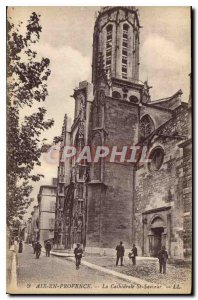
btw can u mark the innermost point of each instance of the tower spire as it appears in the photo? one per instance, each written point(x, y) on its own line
point(116, 52)
point(116, 36)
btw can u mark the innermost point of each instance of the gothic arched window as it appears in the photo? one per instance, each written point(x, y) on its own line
point(133, 99)
point(109, 47)
point(78, 144)
point(157, 158)
point(124, 50)
point(116, 94)
point(146, 126)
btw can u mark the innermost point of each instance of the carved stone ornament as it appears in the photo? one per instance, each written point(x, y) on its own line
point(81, 130)
point(102, 97)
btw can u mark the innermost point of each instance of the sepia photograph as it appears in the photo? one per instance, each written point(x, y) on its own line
point(99, 150)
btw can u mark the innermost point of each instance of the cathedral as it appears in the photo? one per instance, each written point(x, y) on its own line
point(102, 202)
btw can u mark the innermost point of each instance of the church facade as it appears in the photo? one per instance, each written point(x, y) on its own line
point(101, 202)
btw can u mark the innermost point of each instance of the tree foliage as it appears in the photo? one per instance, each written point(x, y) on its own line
point(57, 139)
point(26, 84)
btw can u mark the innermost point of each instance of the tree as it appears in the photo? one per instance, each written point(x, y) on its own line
point(26, 84)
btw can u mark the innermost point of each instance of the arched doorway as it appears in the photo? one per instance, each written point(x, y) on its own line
point(156, 236)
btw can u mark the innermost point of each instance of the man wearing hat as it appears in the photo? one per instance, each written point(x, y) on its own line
point(78, 255)
point(48, 248)
point(162, 256)
point(134, 254)
point(120, 253)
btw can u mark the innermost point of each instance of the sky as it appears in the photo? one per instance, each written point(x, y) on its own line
point(66, 39)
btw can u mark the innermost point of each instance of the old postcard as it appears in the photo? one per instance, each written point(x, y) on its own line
point(99, 150)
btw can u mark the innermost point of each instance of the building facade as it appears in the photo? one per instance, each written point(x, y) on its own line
point(102, 202)
point(47, 205)
point(71, 205)
point(35, 224)
point(29, 230)
point(23, 231)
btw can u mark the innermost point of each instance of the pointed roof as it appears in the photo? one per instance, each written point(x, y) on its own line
point(171, 102)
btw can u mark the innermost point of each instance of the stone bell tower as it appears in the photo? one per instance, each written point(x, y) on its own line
point(116, 40)
point(114, 121)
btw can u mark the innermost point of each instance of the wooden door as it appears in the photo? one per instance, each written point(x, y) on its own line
point(157, 244)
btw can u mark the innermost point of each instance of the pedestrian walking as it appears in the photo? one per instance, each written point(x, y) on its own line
point(38, 249)
point(162, 256)
point(48, 248)
point(78, 255)
point(120, 254)
point(20, 247)
point(134, 254)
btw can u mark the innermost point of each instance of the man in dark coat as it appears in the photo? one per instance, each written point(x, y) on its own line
point(163, 256)
point(20, 247)
point(134, 254)
point(120, 253)
point(48, 248)
point(78, 255)
point(37, 248)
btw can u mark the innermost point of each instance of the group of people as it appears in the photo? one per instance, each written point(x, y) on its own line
point(37, 248)
point(120, 254)
point(78, 252)
point(162, 256)
point(120, 250)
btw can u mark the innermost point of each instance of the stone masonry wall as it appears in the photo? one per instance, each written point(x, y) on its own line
point(95, 193)
point(121, 124)
point(187, 199)
point(158, 189)
point(110, 204)
point(117, 206)
point(163, 188)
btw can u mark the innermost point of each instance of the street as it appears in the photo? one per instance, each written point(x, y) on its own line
point(58, 275)
point(97, 275)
